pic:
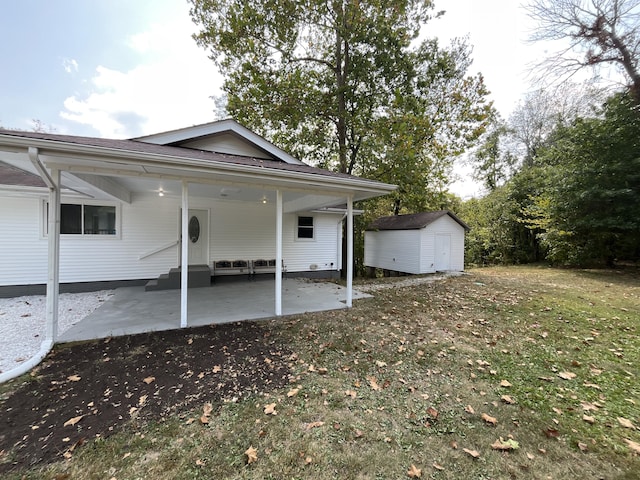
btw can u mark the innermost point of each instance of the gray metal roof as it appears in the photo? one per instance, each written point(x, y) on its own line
point(414, 221)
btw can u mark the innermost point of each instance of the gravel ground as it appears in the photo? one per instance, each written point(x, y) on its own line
point(402, 282)
point(23, 321)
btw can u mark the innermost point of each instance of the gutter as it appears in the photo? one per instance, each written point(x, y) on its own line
point(168, 161)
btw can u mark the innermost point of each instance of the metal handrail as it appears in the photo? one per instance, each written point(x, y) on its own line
point(159, 249)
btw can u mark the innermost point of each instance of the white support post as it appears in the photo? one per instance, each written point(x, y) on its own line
point(53, 266)
point(278, 252)
point(350, 251)
point(184, 255)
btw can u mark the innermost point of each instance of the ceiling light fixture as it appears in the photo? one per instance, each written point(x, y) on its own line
point(161, 193)
point(264, 199)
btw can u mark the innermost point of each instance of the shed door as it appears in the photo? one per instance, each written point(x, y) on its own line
point(198, 237)
point(443, 252)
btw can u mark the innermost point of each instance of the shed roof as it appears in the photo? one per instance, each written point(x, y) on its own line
point(414, 221)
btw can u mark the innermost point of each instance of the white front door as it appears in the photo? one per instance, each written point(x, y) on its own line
point(198, 237)
point(443, 252)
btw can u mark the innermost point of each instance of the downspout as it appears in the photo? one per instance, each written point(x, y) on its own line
point(350, 251)
point(184, 249)
point(53, 271)
point(339, 240)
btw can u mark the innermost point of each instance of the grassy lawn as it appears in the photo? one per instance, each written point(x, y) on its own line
point(518, 372)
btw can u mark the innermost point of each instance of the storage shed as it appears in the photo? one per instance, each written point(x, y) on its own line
point(418, 243)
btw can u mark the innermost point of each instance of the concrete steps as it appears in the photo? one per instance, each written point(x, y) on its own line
point(198, 276)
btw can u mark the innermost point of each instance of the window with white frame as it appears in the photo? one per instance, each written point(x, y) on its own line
point(305, 230)
point(84, 219)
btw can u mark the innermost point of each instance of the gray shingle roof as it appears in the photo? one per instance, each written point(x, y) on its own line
point(414, 221)
point(10, 175)
point(174, 152)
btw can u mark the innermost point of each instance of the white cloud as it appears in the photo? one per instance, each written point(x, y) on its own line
point(170, 88)
point(69, 65)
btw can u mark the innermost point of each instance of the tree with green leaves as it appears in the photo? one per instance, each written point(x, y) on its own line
point(589, 210)
point(348, 85)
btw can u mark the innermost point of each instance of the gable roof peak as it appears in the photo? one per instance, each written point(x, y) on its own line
point(228, 125)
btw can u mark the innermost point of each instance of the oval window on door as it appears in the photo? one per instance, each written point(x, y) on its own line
point(194, 229)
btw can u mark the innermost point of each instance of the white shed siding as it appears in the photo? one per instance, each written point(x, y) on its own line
point(427, 249)
point(397, 250)
point(413, 251)
point(237, 231)
point(227, 143)
point(442, 226)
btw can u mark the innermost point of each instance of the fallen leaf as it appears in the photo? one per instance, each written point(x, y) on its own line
point(414, 472)
point(126, 455)
point(252, 455)
point(473, 453)
point(351, 393)
point(206, 413)
point(432, 412)
point(149, 380)
point(438, 466)
point(505, 445)
point(199, 463)
point(74, 378)
point(635, 447)
point(313, 425)
point(73, 421)
point(270, 409)
point(293, 392)
point(489, 419)
point(469, 409)
point(586, 406)
point(380, 364)
point(567, 375)
point(507, 399)
point(552, 433)
point(308, 460)
point(142, 400)
point(505, 383)
point(582, 446)
point(626, 423)
point(373, 383)
point(216, 369)
point(588, 419)
point(530, 456)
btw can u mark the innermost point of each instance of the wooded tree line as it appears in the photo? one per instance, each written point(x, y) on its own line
point(563, 172)
point(358, 86)
point(574, 201)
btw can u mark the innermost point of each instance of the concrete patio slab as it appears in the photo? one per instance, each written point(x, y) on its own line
point(131, 310)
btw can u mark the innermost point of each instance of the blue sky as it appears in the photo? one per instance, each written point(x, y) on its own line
point(124, 68)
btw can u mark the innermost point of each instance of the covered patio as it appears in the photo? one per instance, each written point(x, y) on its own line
point(131, 310)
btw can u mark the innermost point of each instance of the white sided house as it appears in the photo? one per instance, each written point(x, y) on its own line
point(80, 213)
point(424, 242)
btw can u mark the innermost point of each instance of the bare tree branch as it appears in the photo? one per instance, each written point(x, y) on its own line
point(598, 32)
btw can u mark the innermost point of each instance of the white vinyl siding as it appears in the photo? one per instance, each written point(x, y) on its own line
point(237, 230)
point(227, 143)
point(413, 251)
point(23, 252)
point(397, 250)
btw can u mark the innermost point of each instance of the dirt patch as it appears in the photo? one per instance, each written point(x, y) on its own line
point(89, 390)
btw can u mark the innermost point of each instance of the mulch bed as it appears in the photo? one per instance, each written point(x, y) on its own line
point(97, 387)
